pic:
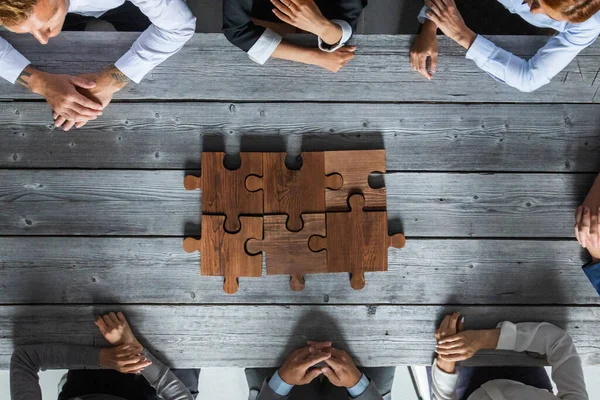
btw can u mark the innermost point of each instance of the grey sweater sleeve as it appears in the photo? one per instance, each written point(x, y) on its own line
point(27, 361)
point(166, 384)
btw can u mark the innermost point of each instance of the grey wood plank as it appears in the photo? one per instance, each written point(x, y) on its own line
point(417, 137)
point(209, 68)
point(260, 336)
point(146, 203)
point(69, 270)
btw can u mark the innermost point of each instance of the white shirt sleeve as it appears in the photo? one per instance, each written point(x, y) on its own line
point(547, 339)
point(346, 35)
point(529, 75)
point(172, 26)
point(261, 51)
point(443, 384)
point(422, 16)
point(12, 63)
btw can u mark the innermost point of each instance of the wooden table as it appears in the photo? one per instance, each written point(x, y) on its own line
point(482, 179)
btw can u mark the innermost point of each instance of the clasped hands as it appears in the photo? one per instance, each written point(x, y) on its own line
point(76, 100)
point(455, 344)
point(126, 354)
point(302, 366)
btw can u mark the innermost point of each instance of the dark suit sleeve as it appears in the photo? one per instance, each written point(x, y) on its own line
point(349, 11)
point(238, 26)
point(266, 393)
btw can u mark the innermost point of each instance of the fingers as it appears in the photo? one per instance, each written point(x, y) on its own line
point(85, 112)
point(434, 62)
point(317, 346)
point(335, 364)
point(584, 227)
point(314, 359)
point(311, 375)
point(101, 325)
point(455, 358)
point(578, 218)
point(450, 339)
point(454, 322)
point(594, 229)
point(114, 319)
point(68, 125)
point(109, 324)
point(135, 367)
point(461, 325)
point(330, 374)
point(121, 318)
point(348, 48)
point(95, 108)
point(82, 83)
point(60, 121)
point(433, 6)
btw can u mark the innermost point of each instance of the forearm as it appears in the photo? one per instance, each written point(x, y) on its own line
point(166, 384)
point(429, 27)
point(292, 52)
point(32, 78)
point(331, 33)
point(26, 362)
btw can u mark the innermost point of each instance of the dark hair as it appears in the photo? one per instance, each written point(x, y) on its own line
point(575, 10)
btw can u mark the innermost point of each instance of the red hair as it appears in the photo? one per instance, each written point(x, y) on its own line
point(575, 10)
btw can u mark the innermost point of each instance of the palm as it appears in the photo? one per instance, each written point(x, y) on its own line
point(115, 329)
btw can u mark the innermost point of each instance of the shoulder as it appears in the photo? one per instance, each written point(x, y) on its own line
point(584, 33)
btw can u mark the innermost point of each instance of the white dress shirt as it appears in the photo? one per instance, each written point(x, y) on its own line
point(264, 47)
point(529, 75)
point(542, 338)
point(172, 26)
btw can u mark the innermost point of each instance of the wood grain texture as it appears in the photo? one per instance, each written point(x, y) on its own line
point(420, 137)
point(224, 191)
point(98, 270)
point(224, 254)
point(379, 72)
point(146, 203)
point(356, 241)
point(294, 191)
point(288, 252)
point(355, 167)
point(261, 336)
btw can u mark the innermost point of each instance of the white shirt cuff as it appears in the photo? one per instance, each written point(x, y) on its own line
point(443, 381)
point(346, 35)
point(508, 336)
point(360, 387)
point(134, 67)
point(481, 50)
point(12, 64)
point(279, 386)
point(266, 44)
point(422, 16)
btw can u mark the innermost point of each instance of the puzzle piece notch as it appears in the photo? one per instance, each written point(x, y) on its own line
point(287, 252)
point(223, 253)
point(294, 191)
point(224, 191)
point(357, 256)
point(355, 167)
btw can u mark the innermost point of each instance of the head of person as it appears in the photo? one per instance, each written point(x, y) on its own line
point(575, 11)
point(44, 19)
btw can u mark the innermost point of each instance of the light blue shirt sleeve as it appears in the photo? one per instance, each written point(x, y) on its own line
point(279, 386)
point(529, 75)
point(360, 387)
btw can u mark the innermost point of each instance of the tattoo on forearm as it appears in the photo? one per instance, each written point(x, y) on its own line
point(23, 78)
point(118, 76)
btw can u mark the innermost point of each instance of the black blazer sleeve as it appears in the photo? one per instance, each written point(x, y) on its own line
point(237, 24)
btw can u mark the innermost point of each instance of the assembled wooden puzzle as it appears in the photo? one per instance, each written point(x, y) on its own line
point(323, 217)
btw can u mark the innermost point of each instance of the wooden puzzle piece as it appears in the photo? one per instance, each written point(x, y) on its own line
point(288, 252)
point(294, 192)
point(224, 191)
point(355, 166)
point(357, 241)
point(223, 253)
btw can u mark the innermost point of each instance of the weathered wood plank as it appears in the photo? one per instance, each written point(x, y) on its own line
point(260, 336)
point(209, 68)
point(418, 137)
point(132, 270)
point(142, 203)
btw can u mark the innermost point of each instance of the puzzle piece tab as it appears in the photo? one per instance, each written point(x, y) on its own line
point(357, 241)
point(288, 252)
point(223, 253)
point(355, 166)
point(224, 191)
point(294, 192)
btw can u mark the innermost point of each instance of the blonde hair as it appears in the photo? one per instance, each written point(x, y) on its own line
point(14, 12)
point(575, 10)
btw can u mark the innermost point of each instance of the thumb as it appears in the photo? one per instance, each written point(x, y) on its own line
point(312, 374)
point(434, 62)
point(82, 83)
point(328, 372)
